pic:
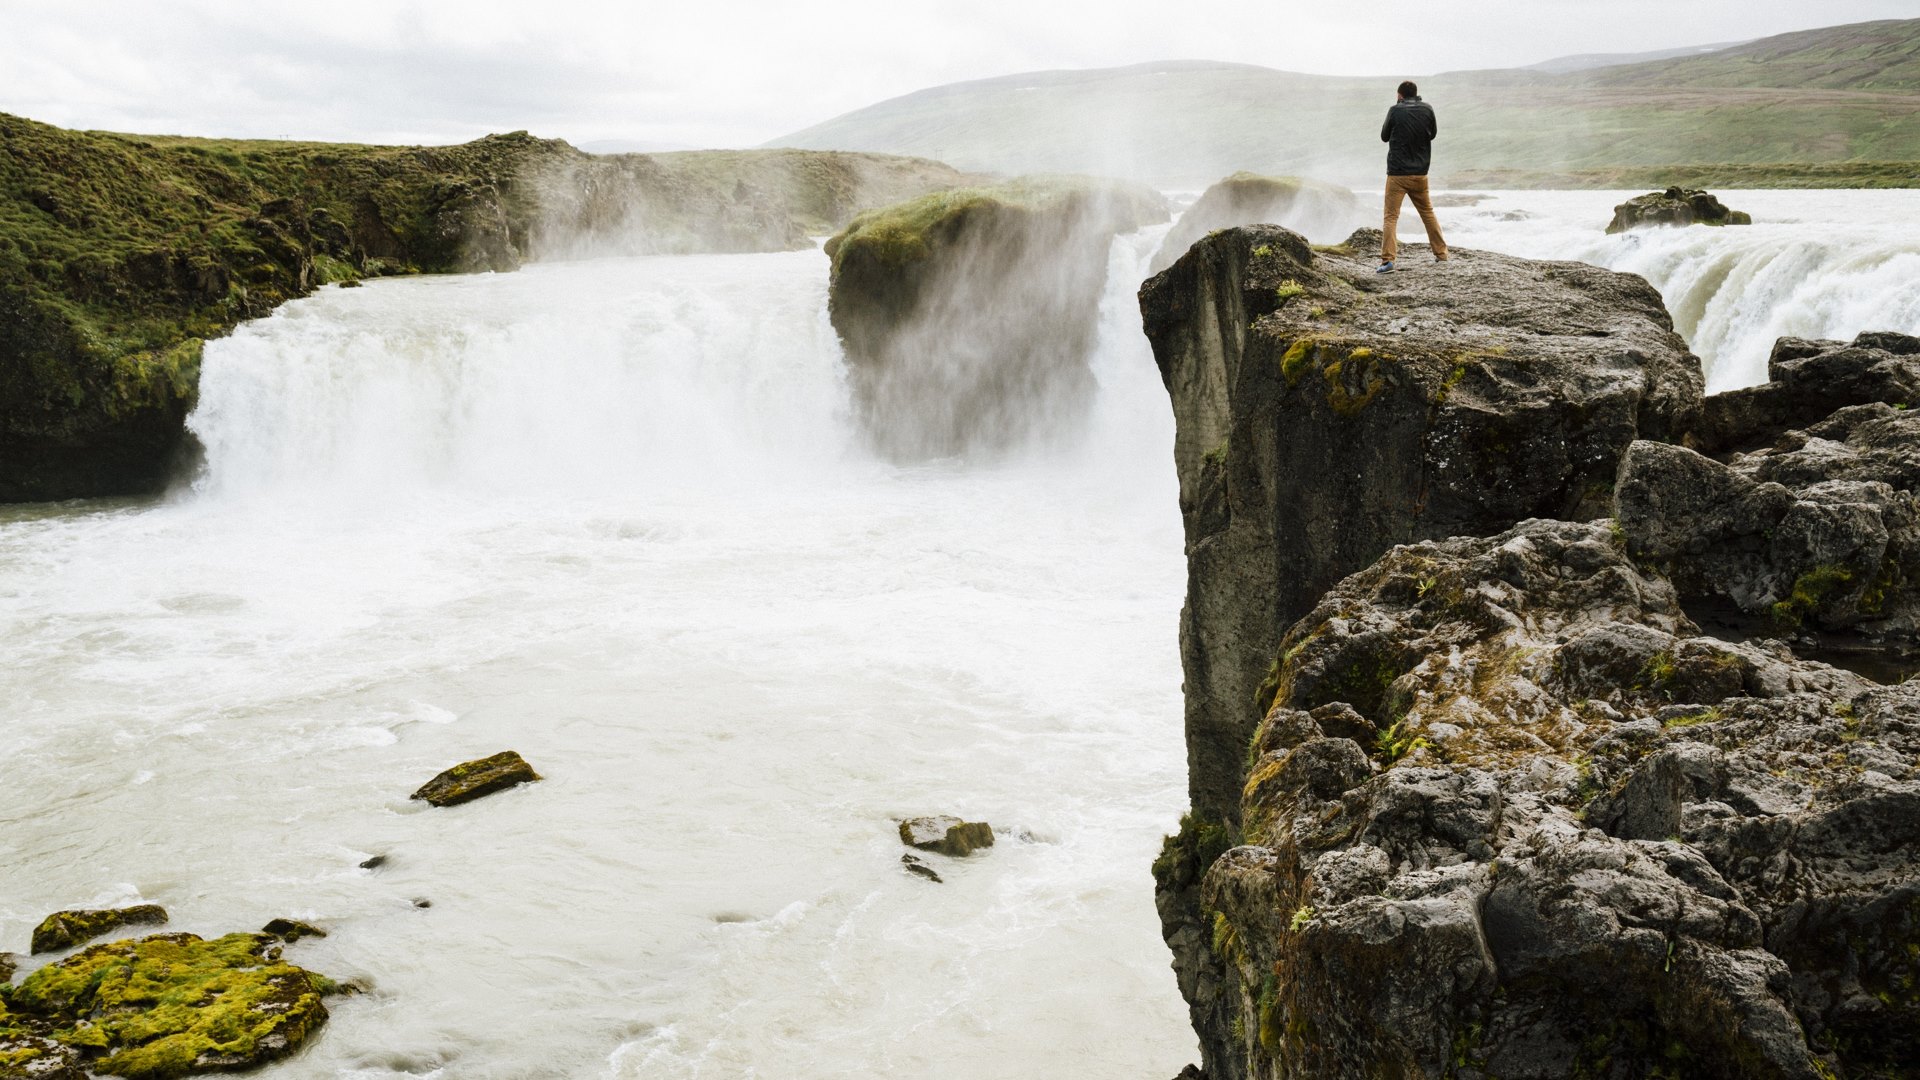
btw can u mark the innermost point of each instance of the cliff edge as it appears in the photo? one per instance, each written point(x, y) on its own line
point(1474, 793)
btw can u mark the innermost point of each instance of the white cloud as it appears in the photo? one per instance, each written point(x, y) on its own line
point(737, 72)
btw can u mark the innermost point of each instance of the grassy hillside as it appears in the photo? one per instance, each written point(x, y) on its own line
point(1840, 95)
point(120, 255)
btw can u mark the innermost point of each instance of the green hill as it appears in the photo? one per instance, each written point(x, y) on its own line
point(1841, 95)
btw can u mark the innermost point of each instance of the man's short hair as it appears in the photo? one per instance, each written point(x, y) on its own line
point(1408, 90)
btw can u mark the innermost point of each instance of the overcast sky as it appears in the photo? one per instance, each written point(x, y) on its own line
point(739, 72)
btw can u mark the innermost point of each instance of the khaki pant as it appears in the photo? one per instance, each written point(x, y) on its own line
point(1415, 188)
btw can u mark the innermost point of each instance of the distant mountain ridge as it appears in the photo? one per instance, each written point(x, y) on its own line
point(1833, 95)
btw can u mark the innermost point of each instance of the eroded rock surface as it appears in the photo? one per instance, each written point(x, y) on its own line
point(1815, 527)
point(1325, 413)
point(969, 316)
point(1674, 206)
point(1511, 815)
point(65, 929)
point(471, 780)
point(159, 1007)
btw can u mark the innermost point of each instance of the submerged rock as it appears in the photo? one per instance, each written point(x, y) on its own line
point(1583, 840)
point(969, 316)
point(946, 835)
point(7, 967)
point(292, 930)
point(918, 866)
point(160, 1007)
point(1674, 206)
point(1306, 206)
point(470, 780)
point(65, 929)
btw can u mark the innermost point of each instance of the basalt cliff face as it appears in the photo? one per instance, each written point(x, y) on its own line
point(120, 255)
point(969, 316)
point(1474, 794)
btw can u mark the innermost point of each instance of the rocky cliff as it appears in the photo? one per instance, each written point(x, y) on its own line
point(968, 316)
point(1496, 805)
point(120, 255)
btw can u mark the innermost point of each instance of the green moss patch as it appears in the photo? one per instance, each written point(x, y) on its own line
point(168, 1005)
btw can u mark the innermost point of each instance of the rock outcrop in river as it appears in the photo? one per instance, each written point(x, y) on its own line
point(1674, 206)
point(968, 316)
point(120, 255)
point(159, 1007)
point(1308, 207)
point(1498, 806)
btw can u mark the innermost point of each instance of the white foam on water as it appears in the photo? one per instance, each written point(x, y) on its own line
point(610, 514)
point(1815, 264)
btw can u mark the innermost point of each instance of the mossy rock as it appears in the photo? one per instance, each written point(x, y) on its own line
point(470, 780)
point(292, 930)
point(65, 929)
point(946, 835)
point(1674, 206)
point(159, 1007)
point(120, 255)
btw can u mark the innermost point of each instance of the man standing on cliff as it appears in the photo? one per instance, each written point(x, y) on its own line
point(1409, 133)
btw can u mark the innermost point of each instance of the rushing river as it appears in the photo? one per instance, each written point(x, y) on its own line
point(611, 514)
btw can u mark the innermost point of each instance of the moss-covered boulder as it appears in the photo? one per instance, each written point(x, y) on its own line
point(160, 1007)
point(946, 835)
point(968, 316)
point(470, 780)
point(1316, 210)
point(120, 255)
point(65, 929)
point(1674, 206)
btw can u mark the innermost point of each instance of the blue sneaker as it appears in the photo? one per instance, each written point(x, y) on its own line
point(1384, 268)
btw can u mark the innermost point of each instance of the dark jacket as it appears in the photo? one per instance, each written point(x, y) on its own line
point(1409, 133)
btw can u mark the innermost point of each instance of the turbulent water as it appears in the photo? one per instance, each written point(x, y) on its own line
point(612, 514)
point(1815, 264)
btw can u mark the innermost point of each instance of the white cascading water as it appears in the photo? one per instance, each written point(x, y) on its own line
point(1815, 264)
point(611, 514)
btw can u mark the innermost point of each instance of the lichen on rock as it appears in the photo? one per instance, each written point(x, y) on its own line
point(65, 929)
point(160, 1007)
point(1594, 841)
point(1496, 804)
point(470, 780)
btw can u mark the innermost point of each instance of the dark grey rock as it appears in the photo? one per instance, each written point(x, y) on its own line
point(1674, 206)
point(1808, 381)
point(916, 865)
point(1325, 413)
point(292, 930)
point(1814, 526)
point(1640, 851)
